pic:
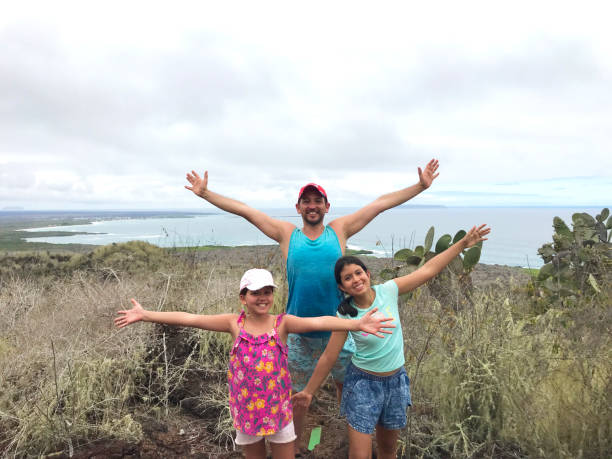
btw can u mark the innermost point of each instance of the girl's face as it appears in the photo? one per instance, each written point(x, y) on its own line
point(258, 301)
point(354, 280)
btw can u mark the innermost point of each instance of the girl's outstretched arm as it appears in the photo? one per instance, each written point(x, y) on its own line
point(324, 365)
point(369, 323)
point(436, 264)
point(219, 322)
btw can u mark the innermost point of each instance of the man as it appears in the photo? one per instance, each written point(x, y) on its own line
point(310, 254)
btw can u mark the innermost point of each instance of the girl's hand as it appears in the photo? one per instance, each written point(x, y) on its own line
point(475, 235)
point(301, 400)
point(375, 323)
point(130, 316)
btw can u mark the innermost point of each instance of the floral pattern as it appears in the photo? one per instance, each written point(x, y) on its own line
point(259, 382)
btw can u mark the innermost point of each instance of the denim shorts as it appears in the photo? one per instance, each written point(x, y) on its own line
point(304, 353)
point(369, 400)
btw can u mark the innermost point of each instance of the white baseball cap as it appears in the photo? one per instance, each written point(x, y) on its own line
point(254, 279)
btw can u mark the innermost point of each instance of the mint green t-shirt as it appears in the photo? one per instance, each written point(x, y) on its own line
point(380, 354)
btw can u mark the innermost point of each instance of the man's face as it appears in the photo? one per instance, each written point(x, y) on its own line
point(312, 206)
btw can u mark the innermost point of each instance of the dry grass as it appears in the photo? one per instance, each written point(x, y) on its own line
point(493, 380)
point(69, 377)
point(496, 381)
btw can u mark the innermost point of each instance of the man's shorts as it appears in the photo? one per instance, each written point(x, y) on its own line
point(285, 435)
point(304, 353)
point(369, 400)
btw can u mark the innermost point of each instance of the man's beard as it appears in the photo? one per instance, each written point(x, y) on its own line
point(313, 222)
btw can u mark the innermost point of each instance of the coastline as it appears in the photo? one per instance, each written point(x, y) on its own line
point(15, 226)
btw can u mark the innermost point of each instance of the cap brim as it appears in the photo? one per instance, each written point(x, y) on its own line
point(254, 287)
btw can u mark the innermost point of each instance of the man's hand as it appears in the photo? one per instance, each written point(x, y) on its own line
point(130, 316)
point(427, 176)
point(375, 323)
point(198, 184)
point(301, 400)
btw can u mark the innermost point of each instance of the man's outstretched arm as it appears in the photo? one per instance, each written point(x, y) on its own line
point(278, 230)
point(351, 224)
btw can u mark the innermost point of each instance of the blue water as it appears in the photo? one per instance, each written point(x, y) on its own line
point(516, 235)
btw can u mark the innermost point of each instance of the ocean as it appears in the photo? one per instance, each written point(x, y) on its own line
point(517, 232)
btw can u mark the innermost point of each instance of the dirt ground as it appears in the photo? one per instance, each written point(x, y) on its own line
point(185, 435)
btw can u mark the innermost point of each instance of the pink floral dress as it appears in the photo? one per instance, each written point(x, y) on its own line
point(259, 382)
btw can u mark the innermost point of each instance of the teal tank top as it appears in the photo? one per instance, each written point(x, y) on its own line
point(310, 273)
point(380, 354)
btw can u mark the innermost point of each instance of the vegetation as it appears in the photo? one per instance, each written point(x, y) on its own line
point(497, 380)
point(358, 252)
point(578, 260)
point(496, 377)
point(453, 286)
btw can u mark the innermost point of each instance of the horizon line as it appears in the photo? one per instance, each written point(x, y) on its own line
point(403, 206)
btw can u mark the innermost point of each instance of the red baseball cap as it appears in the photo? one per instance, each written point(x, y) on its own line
point(318, 188)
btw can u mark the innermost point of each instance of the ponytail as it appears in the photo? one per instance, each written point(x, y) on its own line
point(346, 308)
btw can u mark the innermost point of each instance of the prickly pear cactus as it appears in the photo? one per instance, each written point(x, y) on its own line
point(578, 260)
point(456, 276)
point(417, 257)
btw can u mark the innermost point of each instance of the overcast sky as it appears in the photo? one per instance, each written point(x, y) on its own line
point(107, 107)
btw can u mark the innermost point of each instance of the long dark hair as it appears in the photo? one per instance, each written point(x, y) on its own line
point(345, 307)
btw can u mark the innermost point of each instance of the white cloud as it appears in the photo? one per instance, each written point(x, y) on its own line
point(102, 102)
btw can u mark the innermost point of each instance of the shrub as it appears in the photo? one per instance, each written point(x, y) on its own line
point(499, 382)
point(129, 257)
point(578, 261)
point(453, 286)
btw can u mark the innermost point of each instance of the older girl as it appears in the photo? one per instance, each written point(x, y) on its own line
point(376, 389)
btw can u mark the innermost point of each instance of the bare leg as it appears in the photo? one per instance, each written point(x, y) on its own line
point(360, 444)
point(339, 387)
point(255, 450)
point(299, 419)
point(386, 441)
point(282, 450)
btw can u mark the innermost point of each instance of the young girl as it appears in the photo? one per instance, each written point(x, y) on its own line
point(259, 382)
point(376, 389)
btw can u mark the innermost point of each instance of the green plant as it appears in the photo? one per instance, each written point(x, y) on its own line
point(578, 260)
point(496, 381)
point(453, 286)
point(130, 257)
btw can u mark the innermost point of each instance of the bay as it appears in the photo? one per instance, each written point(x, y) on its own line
point(517, 232)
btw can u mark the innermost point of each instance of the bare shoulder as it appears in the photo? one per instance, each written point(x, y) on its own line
point(287, 319)
point(337, 223)
point(288, 324)
point(233, 324)
point(339, 227)
point(286, 229)
point(285, 237)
